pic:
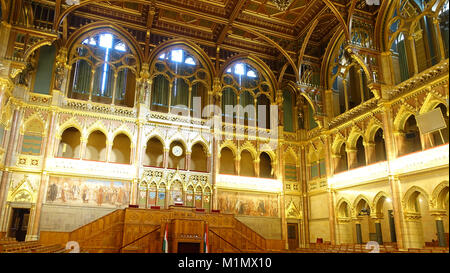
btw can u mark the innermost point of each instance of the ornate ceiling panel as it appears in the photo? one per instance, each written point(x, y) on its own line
point(235, 26)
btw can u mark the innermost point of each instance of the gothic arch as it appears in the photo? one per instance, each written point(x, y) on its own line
point(179, 139)
point(342, 201)
point(358, 199)
point(250, 148)
point(431, 102)
point(257, 63)
point(436, 202)
point(29, 51)
point(68, 124)
point(155, 134)
point(353, 137)
point(230, 145)
point(187, 45)
point(202, 142)
point(101, 26)
point(122, 130)
point(373, 126)
point(97, 126)
point(406, 202)
point(338, 141)
point(380, 197)
point(403, 114)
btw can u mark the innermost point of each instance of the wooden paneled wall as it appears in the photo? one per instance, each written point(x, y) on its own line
point(134, 230)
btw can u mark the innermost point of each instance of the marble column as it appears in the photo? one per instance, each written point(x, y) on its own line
point(44, 178)
point(166, 158)
point(188, 161)
point(83, 144)
point(329, 168)
point(4, 182)
point(256, 167)
point(352, 160)
point(369, 149)
point(109, 145)
point(305, 198)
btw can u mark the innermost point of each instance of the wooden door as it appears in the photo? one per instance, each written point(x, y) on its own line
point(292, 232)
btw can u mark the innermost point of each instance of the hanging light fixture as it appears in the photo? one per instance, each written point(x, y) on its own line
point(282, 4)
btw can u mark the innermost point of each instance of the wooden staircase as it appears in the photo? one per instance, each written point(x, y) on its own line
point(134, 230)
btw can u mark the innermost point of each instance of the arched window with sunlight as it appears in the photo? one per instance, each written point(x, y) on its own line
point(179, 78)
point(103, 70)
point(246, 86)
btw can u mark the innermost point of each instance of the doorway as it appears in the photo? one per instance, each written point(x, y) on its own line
point(292, 232)
point(188, 247)
point(19, 224)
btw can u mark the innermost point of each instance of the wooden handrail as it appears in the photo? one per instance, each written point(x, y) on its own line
point(246, 238)
point(134, 241)
point(93, 234)
point(91, 223)
point(236, 221)
point(225, 240)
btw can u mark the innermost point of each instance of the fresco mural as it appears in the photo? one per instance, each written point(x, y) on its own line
point(88, 192)
point(241, 203)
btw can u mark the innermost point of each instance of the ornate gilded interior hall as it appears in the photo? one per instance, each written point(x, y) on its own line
point(224, 126)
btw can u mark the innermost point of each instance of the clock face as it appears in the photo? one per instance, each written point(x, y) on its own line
point(177, 150)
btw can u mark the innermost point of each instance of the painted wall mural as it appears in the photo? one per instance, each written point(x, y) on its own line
point(241, 203)
point(88, 192)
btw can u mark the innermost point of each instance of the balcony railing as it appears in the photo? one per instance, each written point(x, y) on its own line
point(435, 157)
point(91, 168)
point(99, 108)
point(249, 183)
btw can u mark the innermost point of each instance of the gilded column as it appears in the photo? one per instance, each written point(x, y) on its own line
point(331, 193)
point(351, 158)
point(188, 161)
point(237, 165)
point(166, 158)
point(412, 57)
point(369, 150)
point(83, 144)
point(305, 197)
point(387, 69)
point(329, 103)
point(439, 40)
point(344, 83)
point(394, 182)
point(5, 30)
point(256, 167)
point(44, 178)
point(4, 183)
point(108, 150)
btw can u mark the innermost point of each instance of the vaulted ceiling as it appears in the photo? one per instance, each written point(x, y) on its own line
point(235, 26)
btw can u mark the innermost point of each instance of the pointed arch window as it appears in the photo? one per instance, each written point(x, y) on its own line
point(246, 86)
point(103, 70)
point(179, 77)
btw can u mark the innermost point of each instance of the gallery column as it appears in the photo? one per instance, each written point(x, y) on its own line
point(12, 143)
point(34, 235)
point(394, 182)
